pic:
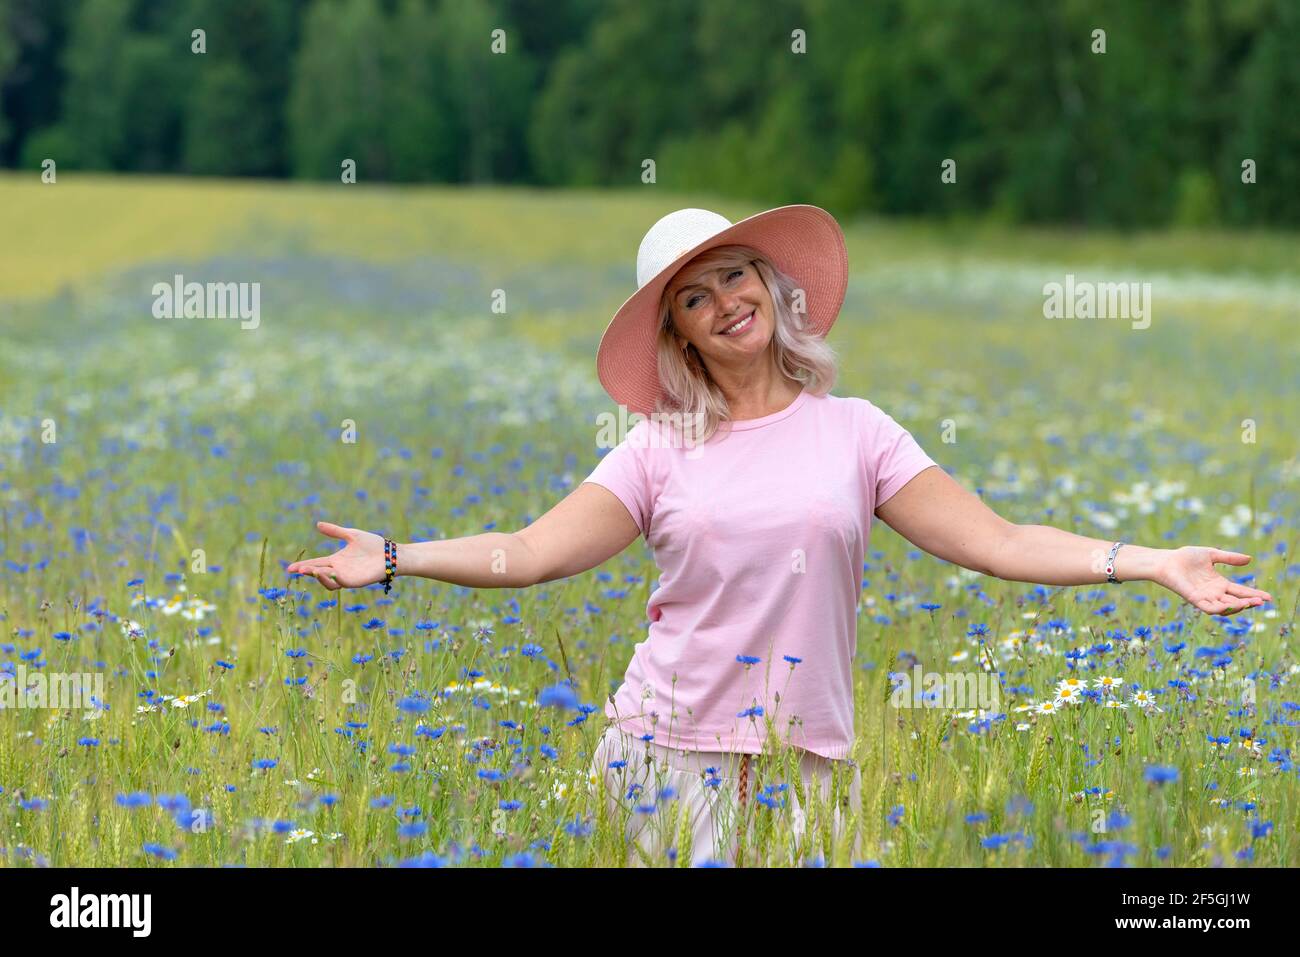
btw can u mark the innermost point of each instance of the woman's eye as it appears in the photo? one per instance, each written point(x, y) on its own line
point(690, 303)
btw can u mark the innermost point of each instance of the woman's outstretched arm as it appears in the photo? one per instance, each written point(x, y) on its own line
point(587, 527)
point(934, 512)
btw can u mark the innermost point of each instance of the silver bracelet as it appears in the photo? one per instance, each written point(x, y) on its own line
point(1110, 565)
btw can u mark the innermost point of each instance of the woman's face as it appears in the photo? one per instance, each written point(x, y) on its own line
point(725, 313)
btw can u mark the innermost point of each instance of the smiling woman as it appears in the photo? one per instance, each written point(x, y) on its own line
point(730, 312)
point(760, 531)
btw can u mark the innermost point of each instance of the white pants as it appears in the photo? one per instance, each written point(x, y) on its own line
point(703, 789)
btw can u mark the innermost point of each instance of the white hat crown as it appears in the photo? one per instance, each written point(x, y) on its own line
point(672, 236)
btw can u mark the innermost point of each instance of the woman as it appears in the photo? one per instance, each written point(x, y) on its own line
point(755, 489)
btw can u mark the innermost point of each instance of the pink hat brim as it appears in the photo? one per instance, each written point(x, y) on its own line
point(805, 242)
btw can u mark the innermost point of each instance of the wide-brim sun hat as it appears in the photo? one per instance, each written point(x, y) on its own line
point(804, 242)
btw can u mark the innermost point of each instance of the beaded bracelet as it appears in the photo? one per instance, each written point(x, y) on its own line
point(390, 563)
point(1110, 565)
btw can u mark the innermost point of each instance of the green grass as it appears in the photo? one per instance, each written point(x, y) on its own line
point(172, 436)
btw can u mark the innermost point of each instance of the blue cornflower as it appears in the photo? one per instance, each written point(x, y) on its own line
point(173, 803)
point(1020, 805)
point(558, 696)
point(577, 827)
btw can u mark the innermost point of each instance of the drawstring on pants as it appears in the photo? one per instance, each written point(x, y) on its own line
point(740, 823)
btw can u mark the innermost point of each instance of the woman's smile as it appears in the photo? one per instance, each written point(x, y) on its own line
point(739, 328)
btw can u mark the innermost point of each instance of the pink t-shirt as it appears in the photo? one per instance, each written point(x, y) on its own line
point(759, 538)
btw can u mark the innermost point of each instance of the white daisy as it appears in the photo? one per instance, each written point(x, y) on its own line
point(1068, 694)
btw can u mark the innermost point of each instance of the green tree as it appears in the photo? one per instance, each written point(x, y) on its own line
point(421, 137)
point(8, 57)
point(609, 103)
point(489, 93)
point(34, 32)
point(336, 106)
point(94, 104)
point(1264, 129)
point(123, 96)
point(222, 136)
point(237, 97)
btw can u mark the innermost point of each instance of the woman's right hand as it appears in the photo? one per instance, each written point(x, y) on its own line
point(357, 564)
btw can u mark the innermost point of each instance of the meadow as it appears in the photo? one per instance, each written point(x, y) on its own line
point(156, 476)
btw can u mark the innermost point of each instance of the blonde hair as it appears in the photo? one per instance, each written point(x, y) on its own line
point(689, 393)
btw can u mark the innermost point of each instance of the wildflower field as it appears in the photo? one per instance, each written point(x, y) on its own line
point(157, 475)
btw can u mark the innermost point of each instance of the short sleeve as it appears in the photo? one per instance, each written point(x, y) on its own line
point(623, 470)
point(893, 457)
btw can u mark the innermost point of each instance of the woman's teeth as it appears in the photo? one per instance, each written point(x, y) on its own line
point(738, 327)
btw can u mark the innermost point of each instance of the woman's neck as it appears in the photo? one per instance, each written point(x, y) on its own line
point(758, 400)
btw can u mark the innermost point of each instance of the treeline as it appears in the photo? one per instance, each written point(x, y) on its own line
point(1101, 112)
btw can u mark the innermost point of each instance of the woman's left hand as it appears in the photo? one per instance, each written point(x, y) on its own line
point(1189, 572)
